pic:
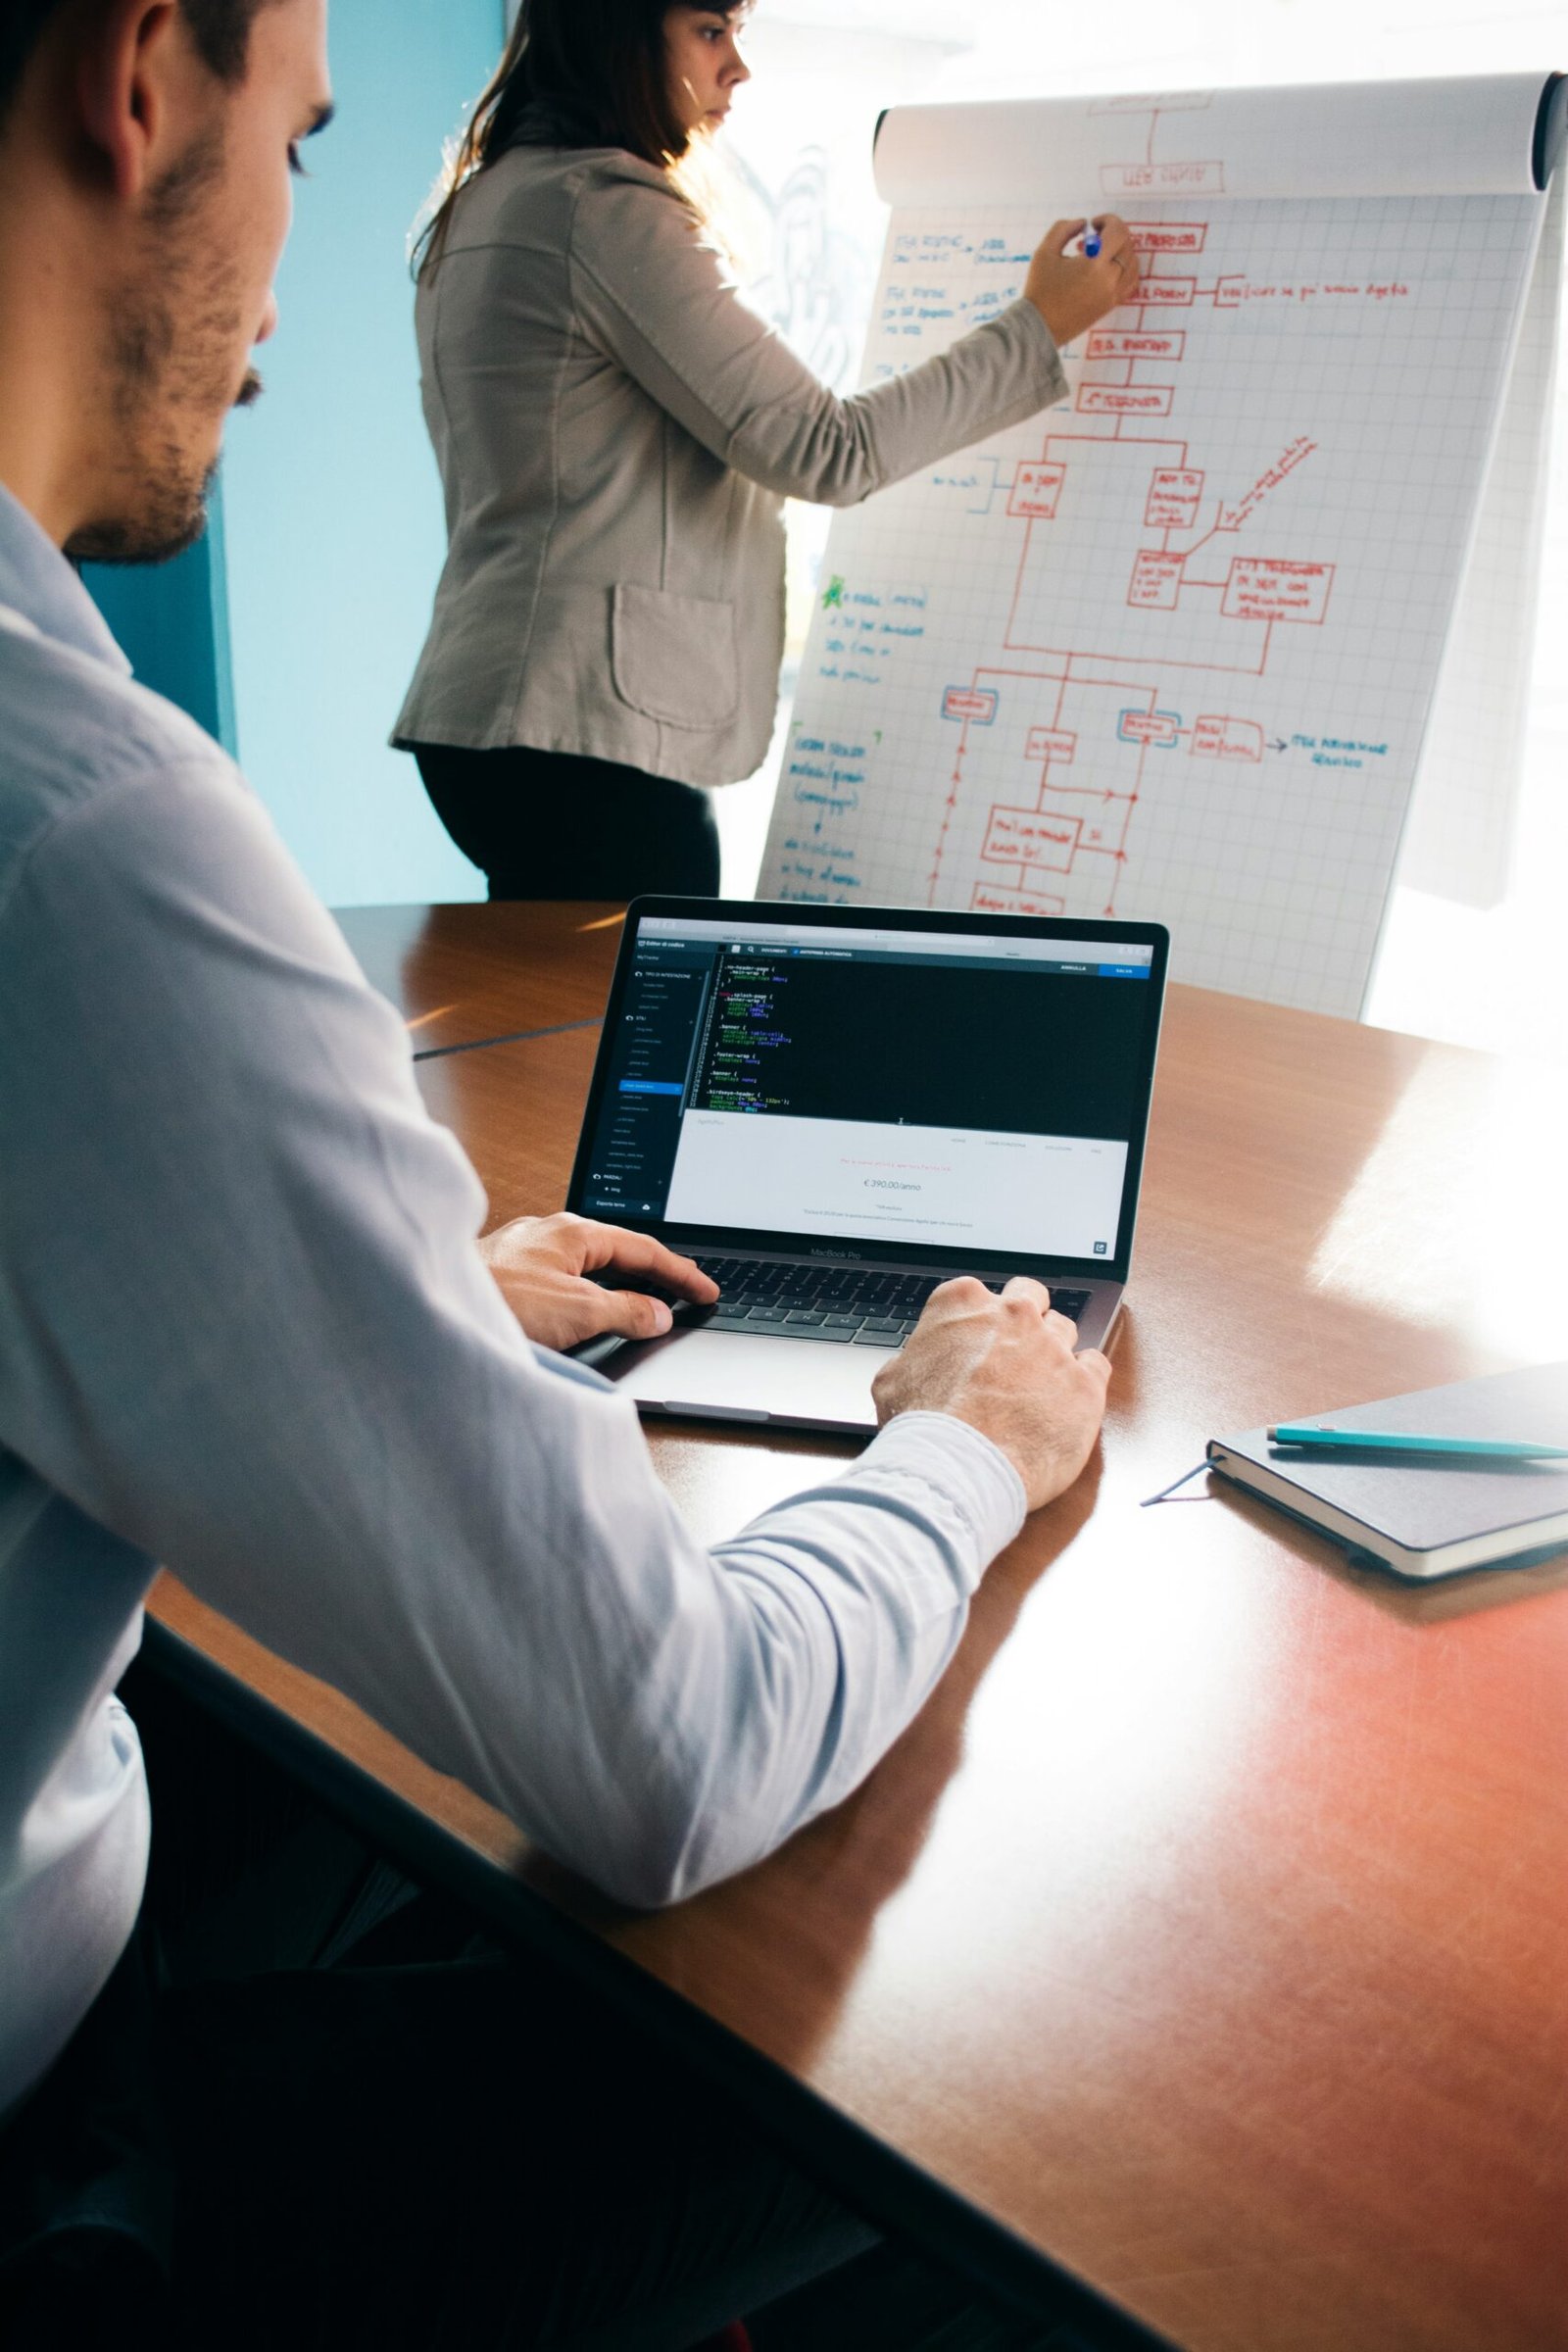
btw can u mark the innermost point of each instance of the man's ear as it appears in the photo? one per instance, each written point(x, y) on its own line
point(124, 84)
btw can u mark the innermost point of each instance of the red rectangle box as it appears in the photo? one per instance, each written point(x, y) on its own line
point(1228, 292)
point(1031, 837)
point(1173, 498)
point(1162, 180)
point(1156, 580)
point(969, 702)
point(987, 901)
point(1125, 400)
point(1168, 236)
point(1156, 727)
point(1051, 743)
point(1164, 293)
point(1135, 343)
point(1036, 490)
point(1216, 738)
point(1257, 590)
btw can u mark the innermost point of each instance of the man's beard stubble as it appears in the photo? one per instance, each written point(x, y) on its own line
point(168, 353)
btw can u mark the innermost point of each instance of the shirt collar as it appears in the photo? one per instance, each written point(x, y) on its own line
point(37, 583)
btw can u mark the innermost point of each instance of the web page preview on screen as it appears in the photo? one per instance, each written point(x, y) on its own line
point(1056, 1196)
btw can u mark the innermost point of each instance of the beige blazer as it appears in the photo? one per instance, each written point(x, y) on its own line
point(616, 433)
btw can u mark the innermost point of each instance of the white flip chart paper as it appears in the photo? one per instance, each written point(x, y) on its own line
point(1196, 643)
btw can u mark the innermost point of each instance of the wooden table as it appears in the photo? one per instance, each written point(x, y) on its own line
point(465, 975)
point(1206, 1934)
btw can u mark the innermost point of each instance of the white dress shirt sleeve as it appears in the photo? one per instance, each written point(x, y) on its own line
point(245, 1327)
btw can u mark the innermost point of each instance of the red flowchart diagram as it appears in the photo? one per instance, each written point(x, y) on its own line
point(1060, 823)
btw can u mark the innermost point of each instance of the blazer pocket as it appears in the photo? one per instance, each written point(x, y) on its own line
point(674, 657)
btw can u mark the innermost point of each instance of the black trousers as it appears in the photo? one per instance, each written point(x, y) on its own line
point(312, 2112)
point(551, 825)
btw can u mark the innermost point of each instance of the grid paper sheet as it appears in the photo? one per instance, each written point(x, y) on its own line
point(1172, 650)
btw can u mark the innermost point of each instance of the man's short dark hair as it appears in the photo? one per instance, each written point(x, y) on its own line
point(219, 29)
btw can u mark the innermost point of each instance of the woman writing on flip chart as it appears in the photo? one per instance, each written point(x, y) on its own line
point(616, 433)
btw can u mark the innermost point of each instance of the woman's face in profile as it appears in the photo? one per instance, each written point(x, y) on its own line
point(702, 49)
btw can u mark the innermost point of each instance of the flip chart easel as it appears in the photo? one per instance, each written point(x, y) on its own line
point(1243, 627)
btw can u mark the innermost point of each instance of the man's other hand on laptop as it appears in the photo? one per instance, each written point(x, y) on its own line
point(542, 1265)
point(1007, 1366)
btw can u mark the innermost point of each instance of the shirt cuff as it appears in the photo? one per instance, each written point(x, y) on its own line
point(971, 1476)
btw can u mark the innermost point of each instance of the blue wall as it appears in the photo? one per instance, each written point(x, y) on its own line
point(171, 622)
point(331, 504)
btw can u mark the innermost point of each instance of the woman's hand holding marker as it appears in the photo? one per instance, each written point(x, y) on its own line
point(1073, 291)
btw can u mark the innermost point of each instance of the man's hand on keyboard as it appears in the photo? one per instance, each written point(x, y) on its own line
point(1007, 1366)
point(542, 1265)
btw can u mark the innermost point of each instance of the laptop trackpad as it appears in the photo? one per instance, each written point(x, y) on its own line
point(726, 1376)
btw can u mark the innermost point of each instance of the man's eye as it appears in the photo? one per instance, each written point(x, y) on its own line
point(294, 163)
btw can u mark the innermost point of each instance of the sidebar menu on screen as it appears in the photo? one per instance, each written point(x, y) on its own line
point(639, 1121)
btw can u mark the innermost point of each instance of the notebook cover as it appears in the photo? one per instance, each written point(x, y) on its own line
point(1426, 1507)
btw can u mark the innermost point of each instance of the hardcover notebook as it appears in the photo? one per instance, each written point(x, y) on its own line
point(1430, 1516)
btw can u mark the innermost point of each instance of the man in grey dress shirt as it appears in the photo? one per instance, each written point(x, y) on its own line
point(245, 1325)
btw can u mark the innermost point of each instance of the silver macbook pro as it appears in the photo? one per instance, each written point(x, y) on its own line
point(835, 1108)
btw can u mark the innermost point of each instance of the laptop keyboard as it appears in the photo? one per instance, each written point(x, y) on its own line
point(851, 1305)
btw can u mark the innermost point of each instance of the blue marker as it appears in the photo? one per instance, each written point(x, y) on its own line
point(1326, 1438)
point(1091, 242)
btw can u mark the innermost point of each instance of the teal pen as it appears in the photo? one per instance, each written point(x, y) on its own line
point(1318, 1434)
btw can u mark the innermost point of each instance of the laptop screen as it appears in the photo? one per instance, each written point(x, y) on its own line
point(958, 1092)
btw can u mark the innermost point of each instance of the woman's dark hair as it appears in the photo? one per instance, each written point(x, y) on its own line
point(574, 73)
point(219, 29)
